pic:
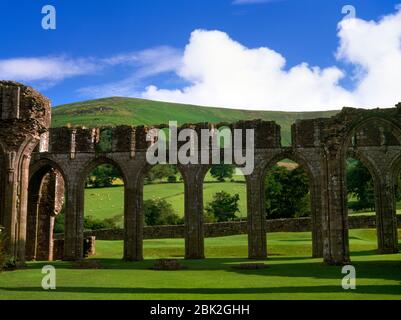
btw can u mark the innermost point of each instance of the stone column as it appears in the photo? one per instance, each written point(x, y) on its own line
point(10, 206)
point(73, 245)
point(257, 247)
point(22, 206)
point(334, 206)
point(2, 185)
point(46, 213)
point(386, 215)
point(194, 238)
point(133, 220)
point(15, 207)
point(316, 218)
point(32, 219)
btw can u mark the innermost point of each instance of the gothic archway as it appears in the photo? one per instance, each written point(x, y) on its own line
point(45, 203)
point(295, 166)
point(101, 197)
point(376, 142)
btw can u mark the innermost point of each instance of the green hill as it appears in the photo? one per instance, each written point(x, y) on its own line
point(118, 110)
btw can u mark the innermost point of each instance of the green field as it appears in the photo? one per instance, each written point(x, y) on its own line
point(291, 274)
point(109, 202)
point(117, 110)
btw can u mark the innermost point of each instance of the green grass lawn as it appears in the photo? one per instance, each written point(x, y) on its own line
point(291, 273)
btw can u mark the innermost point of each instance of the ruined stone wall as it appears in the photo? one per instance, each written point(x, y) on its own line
point(24, 117)
point(321, 146)
point(223, 229)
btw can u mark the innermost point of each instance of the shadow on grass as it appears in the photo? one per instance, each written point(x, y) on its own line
point(202, 264)
point(293, 240)
point(364, 289)
point(289, 267)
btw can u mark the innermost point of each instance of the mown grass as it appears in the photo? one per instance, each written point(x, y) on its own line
point(291, 274)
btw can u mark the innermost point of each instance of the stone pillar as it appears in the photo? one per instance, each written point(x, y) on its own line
point(15, 207)
point(32, 218)
point(22, 206)
point(133, 220)
point(334, 206)
point(46, 212)
point(2, 184)
point(257, 247)
point(194, 238)
point(316, 217)
point(386, 215)
point(73, 247)
point(10, 205)
point(44, 250)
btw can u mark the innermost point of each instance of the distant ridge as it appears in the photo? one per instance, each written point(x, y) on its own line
point(131, 111)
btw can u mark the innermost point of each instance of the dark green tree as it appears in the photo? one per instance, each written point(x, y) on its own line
point(223, 206)
point(286, 193)
point(102, 176)
point(222, 171)
point(360, 184)
point(160, 172)
point(160, 212)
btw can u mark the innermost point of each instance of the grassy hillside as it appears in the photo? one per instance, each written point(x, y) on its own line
point(118, 110)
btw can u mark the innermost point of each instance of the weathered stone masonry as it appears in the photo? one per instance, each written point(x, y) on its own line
point(230, 228)
point(40, 164)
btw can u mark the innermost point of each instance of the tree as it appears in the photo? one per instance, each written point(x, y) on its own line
point(360, 184)
point(172, 179)
point(59, 223)
point(160, 212)
point(90, 223)
point(286, 193)
point(102, 176)
point(223, 206)
point(161, 171)
point(222, 171)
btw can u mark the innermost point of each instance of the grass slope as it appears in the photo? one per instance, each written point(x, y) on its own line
point(291, 273)
point(117, 110)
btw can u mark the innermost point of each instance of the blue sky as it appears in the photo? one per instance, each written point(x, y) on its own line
point(137, 44)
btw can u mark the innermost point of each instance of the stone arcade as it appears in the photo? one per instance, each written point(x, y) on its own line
point(39, 165)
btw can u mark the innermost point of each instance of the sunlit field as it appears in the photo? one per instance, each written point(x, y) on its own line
point(291, 273)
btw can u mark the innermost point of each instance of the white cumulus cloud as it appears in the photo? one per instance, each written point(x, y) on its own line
point(222, 72)
point(374, 48)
